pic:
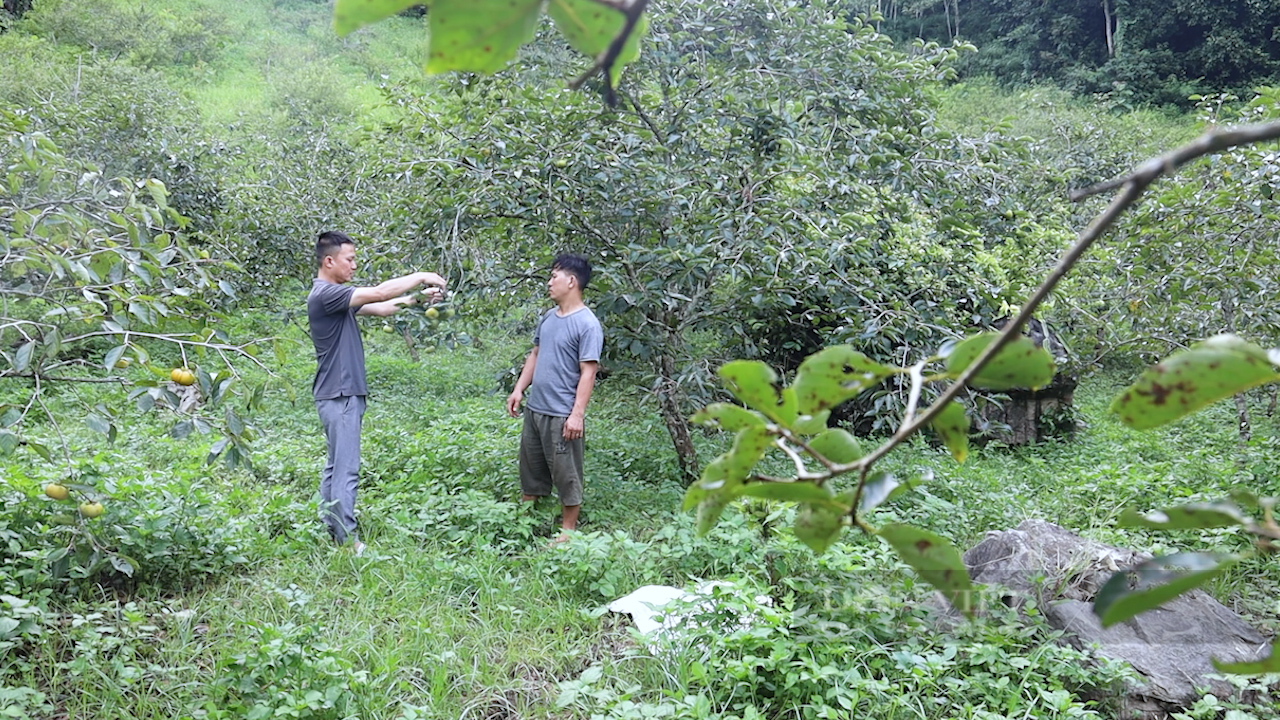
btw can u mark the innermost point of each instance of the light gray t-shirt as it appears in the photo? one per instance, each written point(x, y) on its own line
point(336, 335)
point(563, 342)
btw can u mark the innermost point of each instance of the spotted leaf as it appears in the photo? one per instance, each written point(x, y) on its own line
point(479, 35)
point(935, 559)
point(1187, 381)
point(1020, 364)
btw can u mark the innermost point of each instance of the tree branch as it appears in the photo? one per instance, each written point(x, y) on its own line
point(632, 11)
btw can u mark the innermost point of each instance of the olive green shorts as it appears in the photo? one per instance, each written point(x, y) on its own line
point(549, 461)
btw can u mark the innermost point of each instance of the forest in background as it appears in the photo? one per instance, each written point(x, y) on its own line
point(1133, 52)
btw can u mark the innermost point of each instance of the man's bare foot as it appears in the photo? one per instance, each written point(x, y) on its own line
point(560, 539)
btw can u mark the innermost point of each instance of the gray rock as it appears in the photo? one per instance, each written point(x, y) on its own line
point(1170, 647)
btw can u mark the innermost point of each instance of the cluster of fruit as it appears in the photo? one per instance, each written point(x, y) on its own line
point(60, 492)
point(182, 376)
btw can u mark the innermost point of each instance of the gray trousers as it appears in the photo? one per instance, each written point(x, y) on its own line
point(341, 418)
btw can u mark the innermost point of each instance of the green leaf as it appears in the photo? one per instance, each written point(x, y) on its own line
point(1186, 517)
point(876, 490)
point(349, 15)
point(479, 35)
point(722, 478)
point(790, 492)
point(113, 356)
point(8, 442)
point(727, 416)
point(1020, 364)
point(1156, 582)
point(883, 487)
point(1209, 371)
point(756, 384)
point(936, 560)
point(1269, 664)
point(709, 511)
point(838, 446)
point(832, 375)
point(819, 525)
point(811, 424)
point(22, 360)
point(952, 425)
point(728, 470)
point(591, 27)
point(181, 429)
point(98, 424)
point(40, 450)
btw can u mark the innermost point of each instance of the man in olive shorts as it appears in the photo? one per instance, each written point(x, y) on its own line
point(561, 369)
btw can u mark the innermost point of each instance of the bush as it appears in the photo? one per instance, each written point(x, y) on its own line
point(164, 537)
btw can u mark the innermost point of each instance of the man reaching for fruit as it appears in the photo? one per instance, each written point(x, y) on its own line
point(339, 387)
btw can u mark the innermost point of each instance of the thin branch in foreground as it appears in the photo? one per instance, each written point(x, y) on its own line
point(1132, 187)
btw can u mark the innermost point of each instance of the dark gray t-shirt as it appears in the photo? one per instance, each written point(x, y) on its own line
point(339, 350)
point(563, 342)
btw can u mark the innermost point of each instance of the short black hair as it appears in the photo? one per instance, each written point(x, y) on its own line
point(575, 265)
point(329, 243)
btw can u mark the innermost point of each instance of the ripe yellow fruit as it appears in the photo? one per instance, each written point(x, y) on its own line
point(432, 313)
point(56, 491)
point(387, 329)
point(91, 509)
point(560, 162)
point(122, 363)
point(182, 376)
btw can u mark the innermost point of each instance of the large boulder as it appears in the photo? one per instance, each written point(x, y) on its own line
point(1170, 647)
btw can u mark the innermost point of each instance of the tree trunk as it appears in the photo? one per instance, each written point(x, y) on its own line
point(673, 416)
point(1242, 413)
point(408, 340)
point(1108, 24)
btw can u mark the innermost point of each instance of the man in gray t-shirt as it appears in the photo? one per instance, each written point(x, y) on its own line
point(339, 387)
point(562, 371)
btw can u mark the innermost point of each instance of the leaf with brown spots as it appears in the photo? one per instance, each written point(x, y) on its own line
point(1020, 364)
point(805, 492)
point(756, 385)
point(722, 478)
point(1192, 516)
point(832, 375)
point(1189, 380)
point(349, 15)
point(838, 446)
point(1154, 582)
point(727, 416)
point(819, 525)
point(479, 35)
point(591, 27)
point(935, 559)
point(952, 425)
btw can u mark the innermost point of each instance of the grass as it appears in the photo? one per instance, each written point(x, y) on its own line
point(460, 609)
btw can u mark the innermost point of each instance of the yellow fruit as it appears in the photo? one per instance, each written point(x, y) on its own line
point(91, 509)
point(433, 313)
point(182, 376)
point(122, 363)
point(428, 348)
point(387, 329)
point(56, 491)
point(560, 162)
